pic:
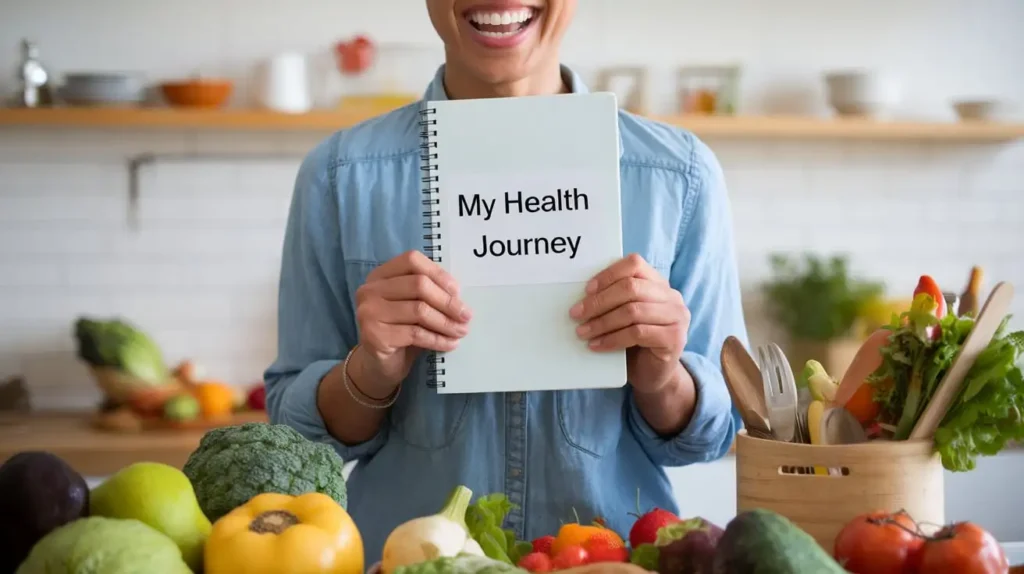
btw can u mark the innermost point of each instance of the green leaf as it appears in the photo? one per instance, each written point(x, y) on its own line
point(815, 298)
point(484, 520)
point(676, 531)
point(987, 414)
point(494, 546)
point(646, 556)
point(519, 550)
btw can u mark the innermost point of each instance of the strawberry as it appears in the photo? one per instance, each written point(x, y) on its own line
point(605, 549)
point(570, 557)
point(605, 538)
point(543, 544)
point(645, 529)
point(536, 562)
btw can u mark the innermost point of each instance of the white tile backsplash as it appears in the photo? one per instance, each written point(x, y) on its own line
point(200, 271)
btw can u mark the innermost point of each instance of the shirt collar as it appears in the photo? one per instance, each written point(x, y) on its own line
point(436, 92)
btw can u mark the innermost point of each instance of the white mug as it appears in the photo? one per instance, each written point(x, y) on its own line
point(284, 84)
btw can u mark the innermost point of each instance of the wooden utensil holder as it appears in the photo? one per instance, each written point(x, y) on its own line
point(878, 475)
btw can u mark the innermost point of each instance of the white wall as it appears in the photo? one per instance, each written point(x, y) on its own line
point(200, 273)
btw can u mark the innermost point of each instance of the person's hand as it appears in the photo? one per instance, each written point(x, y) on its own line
point(408, 304)
point(630, 306)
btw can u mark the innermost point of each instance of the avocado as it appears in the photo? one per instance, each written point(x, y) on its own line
point(764, 542)
point(39, 493)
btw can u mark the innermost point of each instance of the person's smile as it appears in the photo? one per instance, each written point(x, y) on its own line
point(500, 25)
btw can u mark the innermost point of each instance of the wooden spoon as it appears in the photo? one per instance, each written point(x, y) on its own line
point(743, 379)
point(985, 327)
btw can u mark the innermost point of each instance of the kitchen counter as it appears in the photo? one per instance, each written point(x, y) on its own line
point(93, 452)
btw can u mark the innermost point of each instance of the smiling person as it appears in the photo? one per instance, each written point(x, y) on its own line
point(359, 304)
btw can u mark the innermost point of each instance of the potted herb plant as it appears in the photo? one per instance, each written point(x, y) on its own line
point(819, 305)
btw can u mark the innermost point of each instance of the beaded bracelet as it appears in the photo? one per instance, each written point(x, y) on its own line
point(354, 391)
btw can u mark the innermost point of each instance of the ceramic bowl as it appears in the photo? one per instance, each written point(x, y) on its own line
point(205, 93)
point(970, 110)
point(854, 92)
point(103, 89)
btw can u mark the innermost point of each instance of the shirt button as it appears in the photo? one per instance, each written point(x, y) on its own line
point(516, 472)
point(517, 398)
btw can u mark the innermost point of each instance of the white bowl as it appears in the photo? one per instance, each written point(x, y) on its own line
point(977, 109)
point(854, 92)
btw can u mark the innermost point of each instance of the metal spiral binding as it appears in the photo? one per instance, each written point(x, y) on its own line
point(431, 226)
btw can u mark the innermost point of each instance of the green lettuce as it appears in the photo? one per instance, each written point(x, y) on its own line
point(987, 414)
point(988, 411)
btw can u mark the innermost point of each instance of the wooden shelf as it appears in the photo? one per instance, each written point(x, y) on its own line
point(92, 452)
point(739, 127)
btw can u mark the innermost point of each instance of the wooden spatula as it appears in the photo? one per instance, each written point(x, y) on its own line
point(743, 379)
point(985, 326)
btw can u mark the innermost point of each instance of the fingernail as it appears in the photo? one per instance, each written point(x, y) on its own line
point(594, 344)
point(592, 286)
point(576, 310)
point(582, 330)
point(465, 313)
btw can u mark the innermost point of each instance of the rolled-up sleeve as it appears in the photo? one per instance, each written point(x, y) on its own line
point(705, 273)
point(316, 322)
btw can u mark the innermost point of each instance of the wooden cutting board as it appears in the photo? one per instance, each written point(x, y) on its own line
point(126, 422)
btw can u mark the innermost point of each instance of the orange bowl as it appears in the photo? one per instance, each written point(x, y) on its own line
point(197, 93)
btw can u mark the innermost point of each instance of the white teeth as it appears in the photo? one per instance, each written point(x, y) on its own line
point(501, 18)
point(497, 34)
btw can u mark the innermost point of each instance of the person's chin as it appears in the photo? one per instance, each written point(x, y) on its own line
point(497, 74)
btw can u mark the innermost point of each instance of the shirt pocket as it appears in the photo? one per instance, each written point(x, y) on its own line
point(592, 419)
point(420, 417)
point(428, 420)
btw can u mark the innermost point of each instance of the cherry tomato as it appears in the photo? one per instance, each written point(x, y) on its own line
point(963, 548)
point(879, 543)
point(570, 557)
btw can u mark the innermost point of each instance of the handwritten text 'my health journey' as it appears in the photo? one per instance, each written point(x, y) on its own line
point(520, 203)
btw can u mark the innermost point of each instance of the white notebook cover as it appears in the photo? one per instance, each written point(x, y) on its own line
point(562, 154)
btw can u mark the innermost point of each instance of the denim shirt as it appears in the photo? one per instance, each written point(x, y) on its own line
point(555, 454)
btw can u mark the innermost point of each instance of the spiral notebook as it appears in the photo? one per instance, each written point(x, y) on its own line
point(522, 207)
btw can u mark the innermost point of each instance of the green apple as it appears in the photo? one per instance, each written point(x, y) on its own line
point(160, 496)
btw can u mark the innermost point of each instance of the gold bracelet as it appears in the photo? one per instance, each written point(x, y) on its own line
point(354, 390)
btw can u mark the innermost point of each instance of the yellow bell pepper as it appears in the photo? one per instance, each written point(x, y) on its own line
point(282, 534)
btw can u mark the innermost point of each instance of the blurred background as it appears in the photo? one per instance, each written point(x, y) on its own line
point(105, 215)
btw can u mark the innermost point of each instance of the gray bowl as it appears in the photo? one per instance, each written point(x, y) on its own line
point(103, 89)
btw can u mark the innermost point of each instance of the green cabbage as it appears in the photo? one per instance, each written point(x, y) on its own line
point(118, 345)
point(461, 564)
point(99, 545)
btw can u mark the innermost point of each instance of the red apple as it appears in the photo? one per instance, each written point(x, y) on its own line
point(257, 398)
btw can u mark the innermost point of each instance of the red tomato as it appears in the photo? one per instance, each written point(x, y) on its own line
point(570, 557)
point(963, 548)
point(879, 543)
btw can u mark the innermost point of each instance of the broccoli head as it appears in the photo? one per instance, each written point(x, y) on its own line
point(233, 464)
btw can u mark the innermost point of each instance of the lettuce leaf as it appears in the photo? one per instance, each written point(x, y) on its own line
point(484, 519)
point(989, 412)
